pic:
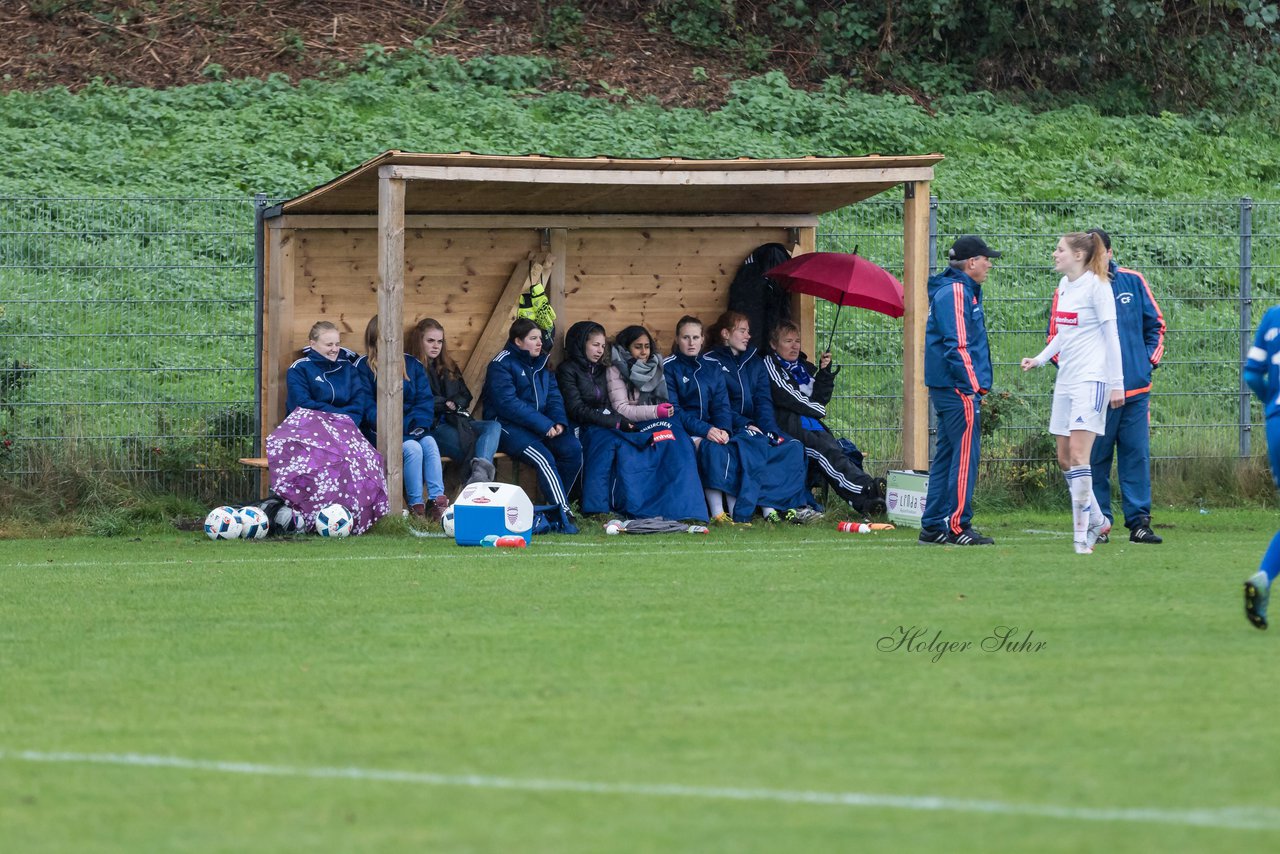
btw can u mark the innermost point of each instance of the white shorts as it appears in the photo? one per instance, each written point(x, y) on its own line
point(1079, 406)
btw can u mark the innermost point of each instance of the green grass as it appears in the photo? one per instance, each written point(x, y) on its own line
point(743, 659)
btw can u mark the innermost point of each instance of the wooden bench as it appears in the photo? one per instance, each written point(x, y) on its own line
point(523, 476)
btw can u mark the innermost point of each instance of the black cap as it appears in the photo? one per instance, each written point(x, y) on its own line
point(970, 246)
point(1106, 238)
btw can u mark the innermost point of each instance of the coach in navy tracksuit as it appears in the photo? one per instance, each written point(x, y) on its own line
point(957, 370)
point(1128, 435)
point(521, 394)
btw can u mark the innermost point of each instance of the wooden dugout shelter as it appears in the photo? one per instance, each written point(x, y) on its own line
point(458, 236)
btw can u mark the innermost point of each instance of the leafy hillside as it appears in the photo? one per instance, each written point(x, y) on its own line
point(237, 137)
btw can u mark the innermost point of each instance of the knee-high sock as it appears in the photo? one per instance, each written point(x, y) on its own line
point(730, 501)
point(1080, 483)
point(715, 501)
point(1271, 558)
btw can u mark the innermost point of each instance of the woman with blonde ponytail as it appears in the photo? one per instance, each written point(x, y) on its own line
point(1086, 343)
point(421, 455)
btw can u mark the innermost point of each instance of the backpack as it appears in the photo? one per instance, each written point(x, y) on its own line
point(761, 299)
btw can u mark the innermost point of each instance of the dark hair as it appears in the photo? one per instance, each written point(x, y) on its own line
point(521, 329)
point(444, 363)
point(724, 323)
point(681, 324)
point(630, 335)
point(1106, 238)
point(783, 326)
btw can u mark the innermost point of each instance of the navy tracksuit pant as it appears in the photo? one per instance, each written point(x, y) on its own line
point(954, 470)
point(1128, 439)
point(557, 461)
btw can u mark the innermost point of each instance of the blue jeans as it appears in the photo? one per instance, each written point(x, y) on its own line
point(422, 463)
point(487, 435)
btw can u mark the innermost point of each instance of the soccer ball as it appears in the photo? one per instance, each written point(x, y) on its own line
point(333, 521)
point(253, 523)
point(222, 523)
point(286, 521)
point(446, 521)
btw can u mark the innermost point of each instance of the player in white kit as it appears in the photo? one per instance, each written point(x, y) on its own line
point(1090, 376)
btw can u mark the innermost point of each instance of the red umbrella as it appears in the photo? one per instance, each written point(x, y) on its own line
point(842, 278)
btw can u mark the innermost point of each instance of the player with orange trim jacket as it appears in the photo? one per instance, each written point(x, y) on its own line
point(957, 370)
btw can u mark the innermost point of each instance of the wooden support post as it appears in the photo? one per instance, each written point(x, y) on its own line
point(804, 311)
point(391, 335)
point(494, 336)
point(281, 348)
point(915, 298)
point(555, 283)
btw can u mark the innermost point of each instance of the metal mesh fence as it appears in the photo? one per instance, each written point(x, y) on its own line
point(127, 331)
point(127, 340)
point(1212, 267)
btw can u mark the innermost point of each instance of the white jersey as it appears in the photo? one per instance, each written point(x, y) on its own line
point(1079, 310)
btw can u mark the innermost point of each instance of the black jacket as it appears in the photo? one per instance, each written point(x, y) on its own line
point(761, 299)
point(582, 384)
point(446, 388)
point(789, 402)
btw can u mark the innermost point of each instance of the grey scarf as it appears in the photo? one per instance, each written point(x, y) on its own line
point(645, 377)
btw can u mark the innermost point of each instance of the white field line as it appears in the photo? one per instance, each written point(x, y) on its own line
point(852, 544)
point(1235, 818)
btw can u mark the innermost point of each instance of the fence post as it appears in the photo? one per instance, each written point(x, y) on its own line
point(933, 266)
point(1246, 316)
point(259, 206)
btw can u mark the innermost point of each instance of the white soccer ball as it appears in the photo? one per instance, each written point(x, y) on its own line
point(222, 523)
point(613, 527)
point(286, 521)
point(333, 521)
point(446, 520)
point(253, 523)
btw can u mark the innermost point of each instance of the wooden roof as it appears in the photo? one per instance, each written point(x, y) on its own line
point(534, 184)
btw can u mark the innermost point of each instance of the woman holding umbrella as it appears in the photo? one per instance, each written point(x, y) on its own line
point(801, 393)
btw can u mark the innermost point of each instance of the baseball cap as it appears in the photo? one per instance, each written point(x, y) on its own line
point(970, 246)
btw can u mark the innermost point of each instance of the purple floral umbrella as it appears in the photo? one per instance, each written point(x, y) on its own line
point(320, 458)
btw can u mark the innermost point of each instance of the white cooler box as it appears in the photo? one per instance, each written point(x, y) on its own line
point(905, 498)
point(485, 509)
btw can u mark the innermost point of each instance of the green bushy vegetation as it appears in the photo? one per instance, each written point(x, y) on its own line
point(243, 136)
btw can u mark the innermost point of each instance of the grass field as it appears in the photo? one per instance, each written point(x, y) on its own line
point(734, 692)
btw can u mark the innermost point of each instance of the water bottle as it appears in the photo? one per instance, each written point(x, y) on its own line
point(490, 541)
point(853, 527)
point(510, 542)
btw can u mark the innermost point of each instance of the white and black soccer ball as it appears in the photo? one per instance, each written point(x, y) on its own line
point(253, 523)
point(333, 521)
point(222, 523)
point(287, 521)
point(446, 521)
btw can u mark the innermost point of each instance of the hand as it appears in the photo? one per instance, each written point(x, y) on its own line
point(556, 430)
point(1117, 398)
point(665, 410)
point(417, 432)
point(451, 406)
point(626, 426)
point(720, 437)
point(825, 361)
point(1028, 364)
point(754, 430)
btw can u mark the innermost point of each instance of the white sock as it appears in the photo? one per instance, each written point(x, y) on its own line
point(730, 501)
point(715, 501)
point(1080, 483)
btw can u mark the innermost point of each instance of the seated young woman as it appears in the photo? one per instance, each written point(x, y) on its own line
point(654, 471)
point(326, 378)
point(420, 454)
point(801, 392)
point(697, 385)
point(522, 395)
point(773, 464)
point(469, 442)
